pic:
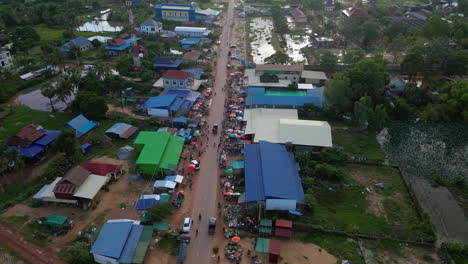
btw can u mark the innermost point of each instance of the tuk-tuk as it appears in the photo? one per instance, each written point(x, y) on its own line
point(215, 128)
point(212, 225)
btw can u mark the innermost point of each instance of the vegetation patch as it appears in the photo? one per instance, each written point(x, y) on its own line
point(36, 233)
point(15, 221)
point(339, 246)
point(168, 244)
point(358, 143)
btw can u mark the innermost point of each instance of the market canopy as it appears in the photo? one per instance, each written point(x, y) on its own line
point(55, 220)
point(161, 226)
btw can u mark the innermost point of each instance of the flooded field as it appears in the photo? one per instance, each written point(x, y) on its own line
point(100, 24)
point(260, 32)
point(36, 101)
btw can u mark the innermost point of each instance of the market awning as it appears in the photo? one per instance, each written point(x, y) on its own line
point(161, 226)
point(262, 245)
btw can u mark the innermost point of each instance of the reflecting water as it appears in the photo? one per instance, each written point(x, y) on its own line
point(100, 24)
point(35, 100)
point(295, 44)
point(260, 33)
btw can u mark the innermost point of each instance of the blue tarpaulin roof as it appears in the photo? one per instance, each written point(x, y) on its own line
point(317, 92)
point(163, 102)
point(131, 244)
point(197, 72)
point(81, 124)
point(112, 238)
point(279, 100)
point(271, 173)
point(256, 90)
point(32, 151)
point(143, 204)
point(50, 136)
point(176, 104)
point(119, 48)
point(167, 63)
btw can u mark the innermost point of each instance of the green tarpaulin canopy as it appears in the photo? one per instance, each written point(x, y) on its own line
point(161, 226)
point(262, 245)
point(266, 226)
point(143, 245)
point(56, 220)
point(237, 164)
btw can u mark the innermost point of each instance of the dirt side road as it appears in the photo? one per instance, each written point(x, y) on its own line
point(30, 252)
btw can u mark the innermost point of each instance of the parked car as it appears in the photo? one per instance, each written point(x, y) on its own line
point(196, 163)
point(233, 46)
point(187, 225)
point(212, 225)
point(215, 128)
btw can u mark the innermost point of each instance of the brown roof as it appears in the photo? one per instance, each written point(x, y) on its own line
point(129, 132)
point(279, 67)
point(26, 136)
point(72, 180)
point(124, 35)
point(117, 42)
point(191, 55)
point(297, 13)
point(174, 74)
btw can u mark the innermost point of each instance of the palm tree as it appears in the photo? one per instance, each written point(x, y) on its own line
point(50, 92)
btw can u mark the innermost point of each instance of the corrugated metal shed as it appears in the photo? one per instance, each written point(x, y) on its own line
point(131, 244)
point(305, 132)
point(165, 184)
point(143, 245)
point(112, 238)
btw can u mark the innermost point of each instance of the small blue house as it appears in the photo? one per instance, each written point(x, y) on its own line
point(81, 42)
point(81, 125)
point(190, 42)
point(167, 63)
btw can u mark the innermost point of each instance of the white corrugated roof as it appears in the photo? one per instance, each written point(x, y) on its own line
point(190, 29)
point(305, 132)
point(263, 122)
point(49, 193)
point(319, 75)
point(305, 86)
point(281, 125)
point(91, 186)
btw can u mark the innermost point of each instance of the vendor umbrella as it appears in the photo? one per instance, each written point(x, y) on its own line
point(239, 118)
point(191, 167)
point(241, 99)
point(236, 194)
point(227, 184)
point(193, 143)
point(228, 171)
point(230, 130)
point(236, 239)
point(240, 132)
point(233, 135)
point(238, 136)
point(228, 193)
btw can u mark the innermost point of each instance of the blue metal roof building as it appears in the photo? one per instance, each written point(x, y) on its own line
point(81, 125)
point(117, 242)
point(281, 101)
point(271, 175)
point(162, 102)
point(197, 72)
point(81, 42)
point(162, 62)
point(177, 12)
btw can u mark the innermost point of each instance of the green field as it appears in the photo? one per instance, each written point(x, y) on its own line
point(383, 212)
point(358, 143)
point(16, 117)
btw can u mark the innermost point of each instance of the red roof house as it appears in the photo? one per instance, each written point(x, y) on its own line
point(26, 136)
point(298, 16)
point(116, 42)
point(102, 169)
point(283, 228)
point(174, 74)
point(356, 11)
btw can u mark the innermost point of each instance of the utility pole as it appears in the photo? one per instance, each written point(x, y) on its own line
point(134, 50)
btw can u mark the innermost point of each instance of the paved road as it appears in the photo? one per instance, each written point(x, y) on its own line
point(199, 250)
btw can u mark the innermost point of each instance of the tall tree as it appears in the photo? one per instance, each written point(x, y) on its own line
point(49, 91)
point(279, 58)
point(370, 33)
point(352, 56)
point(337, 92)
point(90, 104)
point(414, 62)
point(328, 60)
point(435, 27)
point(66, 142)
point(367, 77)
point(397, 47)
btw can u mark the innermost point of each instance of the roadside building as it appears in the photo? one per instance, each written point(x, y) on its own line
point(177, 79)
point(163, 63)
point(272, 177)
point(192, 31)
point(356, 12)
point(159, 152)
point(191, 56)
point(283, 126)
point(176, 12)
point(151, 26)
point(260, 97)
point(120, 46)
point(81, 42)
point(111, 171)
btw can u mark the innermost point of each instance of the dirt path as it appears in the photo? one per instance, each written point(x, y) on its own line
point(30, 252)
point(113, 108)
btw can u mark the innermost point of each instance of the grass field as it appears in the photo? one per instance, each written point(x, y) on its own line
point(382, 212)
point(358, 143)
point(51, 34)
point(17, 117)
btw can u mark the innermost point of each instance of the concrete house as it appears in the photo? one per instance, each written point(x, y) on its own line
point(298, 15)
point(176, 12)
point(177, 79)
point(192, 31)
point(83, 43)
point(151, 26)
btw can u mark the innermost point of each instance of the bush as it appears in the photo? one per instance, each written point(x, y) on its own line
point(334, 156)
point(329, 173)
point(215, 249)
point(77, 252)
point(159, 211)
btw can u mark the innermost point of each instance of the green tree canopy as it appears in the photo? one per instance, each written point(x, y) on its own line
point(279, 58)
point(89, 104)
point(66, 142)
point(159, 211)
point(367, 77)
point(337, 92)
point(435, 27)
point(328, 60)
